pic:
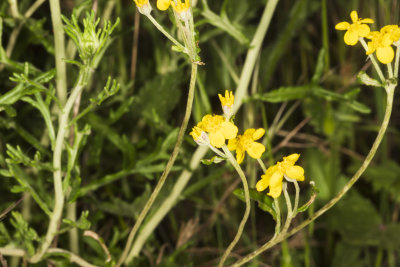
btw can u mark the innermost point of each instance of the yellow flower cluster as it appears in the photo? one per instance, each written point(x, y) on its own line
point(214, 130)
point(274, 175)
point(380, 41)
point(143, 6)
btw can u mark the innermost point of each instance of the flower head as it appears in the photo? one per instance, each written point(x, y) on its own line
point(143, 6)
point(355, 30)
point(177, 5)
point(246, 142)
point(180, 7)
point(218, 129)
point(274, 175)
point(381, 43)
point(227, 103)
point(199, 136)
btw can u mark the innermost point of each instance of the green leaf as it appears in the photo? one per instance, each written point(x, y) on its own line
point(222, 22)
point(283, 94)
point(265, 202)
point(357, 220)
point(364, 78)
point(319, 69)
point(215, 159)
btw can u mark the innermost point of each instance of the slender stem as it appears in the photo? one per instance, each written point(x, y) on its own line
point(289, 215)
point(296, 200)
point(17, 252)
point(247, 200)
point(356, 176)
point(262, 165)
point(390, 70)
point(253, 53)
point(161, 29)
point(278, 217)
point(186, 174)
point(373, 60)
point(57, 175)
point(59, 48)
point(164, 176)
point(396, 62)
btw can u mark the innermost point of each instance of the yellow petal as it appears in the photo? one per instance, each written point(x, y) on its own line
point(249, 131)
point(239, 155)
point(232, 144)
point(275, 191)
point(255, 150)
point(342, 26)
point(163, 4)
point(367, 20)
point(371, 48)
point(276, 178)
point(262, 184)
point(217, 139)
point(350, 37)
point(387, 40)
point(363, 30)
point(354, 16)
point(292, 158)
point(258, 133)
point(295, 172)
point(385, 54)
point(229, 130)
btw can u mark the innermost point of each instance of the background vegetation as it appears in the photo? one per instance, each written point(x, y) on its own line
point(304, 92)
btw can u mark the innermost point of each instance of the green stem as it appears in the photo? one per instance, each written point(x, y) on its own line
point(186, 174)
point(373, 60)
point(247, 200)
point(253, 53)
point(296, 200)
point(390, 70)
point(356, 176)
point(16, 252)
point(396, 62)
point(289, 216)
point(57, 175)
point(161, 29)
point(278, 217)
point(164, 176)
point(262, 165)
point(59, 47)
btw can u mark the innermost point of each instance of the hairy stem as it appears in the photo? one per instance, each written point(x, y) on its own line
point(57, 175)
point(345, 189)
point(125, 257)
point(247, 200)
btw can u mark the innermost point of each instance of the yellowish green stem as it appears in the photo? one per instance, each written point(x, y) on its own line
point(373, 60)
point(389, 103)
point(125, 257)
point(57, 175)
point(242, 176)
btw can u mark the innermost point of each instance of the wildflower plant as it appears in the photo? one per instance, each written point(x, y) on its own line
point(60, 159)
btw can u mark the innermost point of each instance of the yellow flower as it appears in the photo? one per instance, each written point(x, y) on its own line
point(246, 142)
point(227, 103)
point(199, 136)
point(177, 5)
point(143, 6)
point(218, 128)
point(355, 30)
point(274, 175)
point(382, 41)
point(141, 3)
